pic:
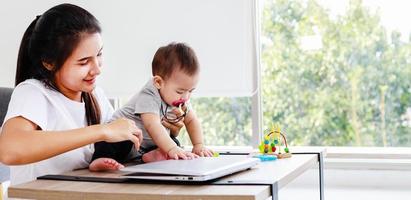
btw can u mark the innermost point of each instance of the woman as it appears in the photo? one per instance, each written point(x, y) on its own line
point(56, 112)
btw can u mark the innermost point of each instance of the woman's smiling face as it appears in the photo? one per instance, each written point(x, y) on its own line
point(80, 70)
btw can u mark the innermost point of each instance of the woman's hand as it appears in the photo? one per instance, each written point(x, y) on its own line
point(123, 129)
point(174, 127)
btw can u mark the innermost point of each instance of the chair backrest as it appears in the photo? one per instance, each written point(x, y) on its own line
point(5, 95)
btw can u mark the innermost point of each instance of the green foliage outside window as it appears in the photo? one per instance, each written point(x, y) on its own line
point(226, 121)
point(352, 91)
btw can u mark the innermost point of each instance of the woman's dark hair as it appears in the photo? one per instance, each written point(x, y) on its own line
point(51, 38)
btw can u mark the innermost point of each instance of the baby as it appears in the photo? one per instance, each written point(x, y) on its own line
point(175, 72)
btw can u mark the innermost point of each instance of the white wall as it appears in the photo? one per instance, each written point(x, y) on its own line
point(220, 31)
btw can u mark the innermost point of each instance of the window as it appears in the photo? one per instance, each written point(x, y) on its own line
point(337, 77)
point(226, 121)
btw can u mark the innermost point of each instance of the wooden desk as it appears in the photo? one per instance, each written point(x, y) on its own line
point(259, 182)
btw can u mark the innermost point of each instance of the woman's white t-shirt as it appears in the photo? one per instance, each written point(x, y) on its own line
point(52, 111)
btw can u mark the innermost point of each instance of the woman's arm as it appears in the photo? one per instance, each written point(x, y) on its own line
point(22, 143)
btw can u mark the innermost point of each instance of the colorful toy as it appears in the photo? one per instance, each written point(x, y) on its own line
point(271, 143)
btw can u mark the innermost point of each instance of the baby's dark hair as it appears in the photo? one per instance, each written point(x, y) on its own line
point(174, 56)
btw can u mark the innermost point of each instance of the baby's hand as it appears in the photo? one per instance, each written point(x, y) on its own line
point(200, 150)
point(177, 153)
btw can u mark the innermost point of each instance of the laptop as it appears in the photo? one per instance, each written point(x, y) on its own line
point(196, 170)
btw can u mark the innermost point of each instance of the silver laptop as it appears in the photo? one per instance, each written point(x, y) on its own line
point(199, 169)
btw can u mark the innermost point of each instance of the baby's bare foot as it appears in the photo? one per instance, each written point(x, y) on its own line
point(155, 155)
point(104, 164)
